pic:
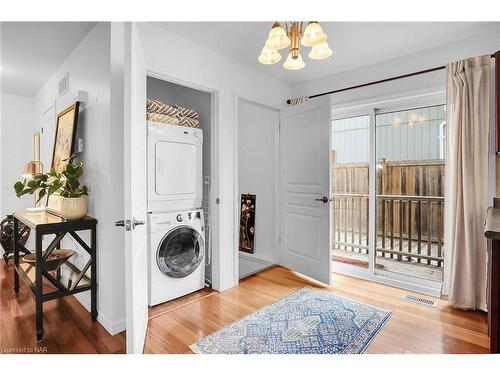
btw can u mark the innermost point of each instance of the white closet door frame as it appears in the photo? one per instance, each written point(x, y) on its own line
point(215, 237)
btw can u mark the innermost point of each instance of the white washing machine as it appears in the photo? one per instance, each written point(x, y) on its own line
point(176, 254)
point(174, 167)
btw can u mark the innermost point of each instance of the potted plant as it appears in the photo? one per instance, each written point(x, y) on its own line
point(65, 184)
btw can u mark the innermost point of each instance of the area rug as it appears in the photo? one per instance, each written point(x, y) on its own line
point(308, 321)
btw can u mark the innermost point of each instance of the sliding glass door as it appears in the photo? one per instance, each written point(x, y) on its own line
point(410, 195)
point(387, 194)
point(350, 157)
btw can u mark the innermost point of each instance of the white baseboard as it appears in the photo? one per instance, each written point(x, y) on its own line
point(253, 264)
point(227, 286)
point(109, 325)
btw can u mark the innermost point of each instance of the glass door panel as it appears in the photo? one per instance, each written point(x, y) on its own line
point(410, 148)
point(350, 190)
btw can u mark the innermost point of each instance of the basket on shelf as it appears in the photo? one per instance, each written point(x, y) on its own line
point(54, 261)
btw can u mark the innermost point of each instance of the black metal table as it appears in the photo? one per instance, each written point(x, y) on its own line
point(43, 223)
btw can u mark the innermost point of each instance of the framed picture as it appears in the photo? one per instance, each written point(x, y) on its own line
point(64, 146)
point(65, 135)
point(247, 223)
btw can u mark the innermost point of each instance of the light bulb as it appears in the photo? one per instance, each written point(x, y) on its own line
point(277, 38)
point(269, 56)
point(294, 64)
point(313, 35)
point(320, 51)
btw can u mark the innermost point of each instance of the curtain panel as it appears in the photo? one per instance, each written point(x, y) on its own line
point(466, 182)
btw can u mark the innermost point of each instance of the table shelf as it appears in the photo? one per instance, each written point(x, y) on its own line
point(43, 223)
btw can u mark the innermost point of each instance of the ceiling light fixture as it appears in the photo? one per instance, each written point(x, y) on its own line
point(313, 36)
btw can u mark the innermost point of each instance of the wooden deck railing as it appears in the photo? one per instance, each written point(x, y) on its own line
point(409, 228)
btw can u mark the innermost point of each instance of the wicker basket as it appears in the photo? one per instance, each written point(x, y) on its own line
point(54, 261)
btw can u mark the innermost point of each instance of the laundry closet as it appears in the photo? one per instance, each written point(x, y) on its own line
point(179, 188)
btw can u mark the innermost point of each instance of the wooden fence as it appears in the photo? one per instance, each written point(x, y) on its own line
point(409, 209)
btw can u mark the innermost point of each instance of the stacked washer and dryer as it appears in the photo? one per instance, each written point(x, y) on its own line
point(176, 228)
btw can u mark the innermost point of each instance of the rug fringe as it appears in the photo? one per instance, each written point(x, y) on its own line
point(195, 349)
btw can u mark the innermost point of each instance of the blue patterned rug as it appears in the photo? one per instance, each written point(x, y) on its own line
point(308, 321)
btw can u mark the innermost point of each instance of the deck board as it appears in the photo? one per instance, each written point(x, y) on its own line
point(432, 271)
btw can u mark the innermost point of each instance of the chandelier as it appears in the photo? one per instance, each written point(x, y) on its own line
point(294, 36)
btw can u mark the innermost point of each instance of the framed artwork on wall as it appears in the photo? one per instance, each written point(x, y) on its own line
point(65, 135)
point(64, 146)
point(247, 223)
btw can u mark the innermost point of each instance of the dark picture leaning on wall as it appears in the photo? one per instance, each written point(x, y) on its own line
point(247, 223)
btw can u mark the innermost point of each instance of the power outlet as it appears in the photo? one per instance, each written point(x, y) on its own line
point(79, 145)
point(90, 206)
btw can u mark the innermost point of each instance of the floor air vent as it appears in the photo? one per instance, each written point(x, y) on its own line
point(420, 300)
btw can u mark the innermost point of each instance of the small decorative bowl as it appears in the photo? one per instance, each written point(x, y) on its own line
point(54, 261)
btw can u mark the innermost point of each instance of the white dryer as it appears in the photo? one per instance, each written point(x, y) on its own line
point(174, 167)
point(176, 255)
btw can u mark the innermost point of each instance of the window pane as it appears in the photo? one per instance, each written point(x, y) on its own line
point(410, 148)
point(350, 159)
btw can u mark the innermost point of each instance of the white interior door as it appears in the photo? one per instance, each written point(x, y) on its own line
point(305, 184)
point(135, 132)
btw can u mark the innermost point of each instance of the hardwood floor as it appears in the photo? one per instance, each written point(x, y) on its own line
point(175, 325)
point(67, 324)
point(411, 329)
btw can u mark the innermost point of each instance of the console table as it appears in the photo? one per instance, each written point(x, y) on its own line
point(492, 232)
point(43, 223)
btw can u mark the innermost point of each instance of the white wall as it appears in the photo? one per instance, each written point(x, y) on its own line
point(258, 155)
point(16, 130)
point(89, 68)
point(183, 61)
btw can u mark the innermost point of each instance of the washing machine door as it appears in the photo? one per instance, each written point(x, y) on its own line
point(180, 252)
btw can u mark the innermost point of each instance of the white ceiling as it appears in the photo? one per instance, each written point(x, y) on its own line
point(32, 52)
point(354, 44)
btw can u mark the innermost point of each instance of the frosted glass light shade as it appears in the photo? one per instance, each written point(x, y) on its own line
point(313, 35)
point(277, 38)
point(269, 56)
point(294, 64)
point(320, 51)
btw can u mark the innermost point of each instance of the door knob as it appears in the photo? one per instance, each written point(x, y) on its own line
point(135, 222)
point(129, 224)
point(123, 223)
point(323, 199)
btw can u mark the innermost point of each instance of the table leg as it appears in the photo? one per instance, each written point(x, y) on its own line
point(58, 271)
point(39, 288)
point(93, 270)
point(16, 255)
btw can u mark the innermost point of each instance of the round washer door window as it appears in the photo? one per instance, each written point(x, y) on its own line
point(180, 252)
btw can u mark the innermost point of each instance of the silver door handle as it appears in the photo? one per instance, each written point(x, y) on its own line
point(123, 223)
point(136, 222)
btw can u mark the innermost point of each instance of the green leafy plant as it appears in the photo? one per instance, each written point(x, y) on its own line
point(65, 184)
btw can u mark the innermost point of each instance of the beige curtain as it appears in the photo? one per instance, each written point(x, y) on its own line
point(466, 182)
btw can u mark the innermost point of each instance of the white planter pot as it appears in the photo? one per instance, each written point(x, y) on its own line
point(73, 208)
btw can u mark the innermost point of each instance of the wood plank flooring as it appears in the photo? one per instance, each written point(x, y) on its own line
point(411, 329)
point(177, 324)
point(67, 324)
